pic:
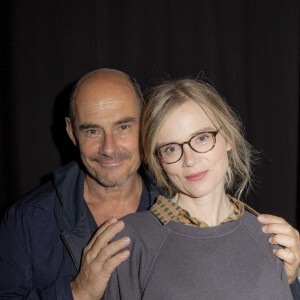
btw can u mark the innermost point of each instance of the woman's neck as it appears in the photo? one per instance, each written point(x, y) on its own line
point(211, 209)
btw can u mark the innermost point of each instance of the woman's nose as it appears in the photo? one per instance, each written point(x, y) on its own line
point(190, 157)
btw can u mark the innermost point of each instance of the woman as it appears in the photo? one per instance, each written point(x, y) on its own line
point(198, 243)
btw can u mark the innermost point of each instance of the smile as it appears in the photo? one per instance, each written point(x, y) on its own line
point(113, 163)
point(197, 176)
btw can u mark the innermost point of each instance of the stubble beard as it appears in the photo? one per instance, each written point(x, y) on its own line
point(114, 157)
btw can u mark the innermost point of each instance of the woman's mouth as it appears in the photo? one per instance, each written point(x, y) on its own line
point(197, 176)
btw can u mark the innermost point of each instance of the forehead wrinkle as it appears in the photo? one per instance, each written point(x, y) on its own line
point(109, 103)
point(105, 113)
point(98, 109)
point(110, 92)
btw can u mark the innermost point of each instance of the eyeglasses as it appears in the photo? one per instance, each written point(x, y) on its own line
point(201, 142)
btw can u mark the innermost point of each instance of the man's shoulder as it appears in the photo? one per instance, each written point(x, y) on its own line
point(36, 203)
point(44, 196)
point(40, 197)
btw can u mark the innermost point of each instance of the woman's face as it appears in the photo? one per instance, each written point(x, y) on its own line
point(195, 174)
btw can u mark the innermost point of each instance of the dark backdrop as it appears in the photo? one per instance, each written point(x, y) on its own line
point(249, 50)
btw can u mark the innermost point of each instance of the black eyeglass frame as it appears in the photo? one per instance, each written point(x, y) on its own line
point(157, 153)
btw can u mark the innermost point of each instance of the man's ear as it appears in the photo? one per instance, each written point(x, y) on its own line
point(71, 131)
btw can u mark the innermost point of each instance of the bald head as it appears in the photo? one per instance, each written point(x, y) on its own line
point(104, 123)
point(101, 76)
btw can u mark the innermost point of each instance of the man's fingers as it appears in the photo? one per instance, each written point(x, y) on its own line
point(105, 237)
point(101, 229)
point(115, 261)
point(106, 225)
point(111, 249)
point(290, 263)
point(279, 228)
point(287, 256)
point(99, 261)
point(102, 237)
point(284, 241)
point(286, 236)
point(268, 219)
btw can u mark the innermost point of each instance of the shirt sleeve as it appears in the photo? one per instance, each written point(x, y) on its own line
point(17, 269)
point(295, 288)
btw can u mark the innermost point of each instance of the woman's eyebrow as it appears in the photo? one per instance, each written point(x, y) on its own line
point(205, 129)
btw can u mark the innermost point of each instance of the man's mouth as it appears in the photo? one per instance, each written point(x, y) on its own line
point(113, 160)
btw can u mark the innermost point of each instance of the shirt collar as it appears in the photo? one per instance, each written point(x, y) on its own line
point(166, 210)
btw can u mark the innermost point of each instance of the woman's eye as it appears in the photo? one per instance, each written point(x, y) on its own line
point(202, 138)
point(170, 150)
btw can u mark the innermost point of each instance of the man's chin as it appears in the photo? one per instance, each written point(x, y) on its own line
point(112, 183)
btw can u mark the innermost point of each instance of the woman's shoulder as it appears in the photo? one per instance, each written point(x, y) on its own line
point(147, 237)
point(255, 230)
point(143, 218)
point(144, 228)
point(144, 223)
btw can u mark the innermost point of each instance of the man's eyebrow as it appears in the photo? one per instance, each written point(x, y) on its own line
point(125, 120)
point(119, 122)
point(88, 126)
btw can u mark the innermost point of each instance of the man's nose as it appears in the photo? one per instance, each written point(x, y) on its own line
point(108, 146)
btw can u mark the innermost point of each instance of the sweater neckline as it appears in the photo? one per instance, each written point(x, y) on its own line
point(207, 232)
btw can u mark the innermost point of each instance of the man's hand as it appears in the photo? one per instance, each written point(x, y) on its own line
point(99, 261)
point(288, 238)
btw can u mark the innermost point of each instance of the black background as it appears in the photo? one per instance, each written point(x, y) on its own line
point(249, 50)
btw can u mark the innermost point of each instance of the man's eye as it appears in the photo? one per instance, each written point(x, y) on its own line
point(124, 126)
point(92, 131)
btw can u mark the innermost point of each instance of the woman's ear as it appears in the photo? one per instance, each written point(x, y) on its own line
point(228, 146)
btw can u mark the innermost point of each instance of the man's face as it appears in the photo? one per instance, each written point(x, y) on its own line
point(107, 118)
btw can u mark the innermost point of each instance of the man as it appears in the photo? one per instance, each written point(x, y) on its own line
point(51, 247)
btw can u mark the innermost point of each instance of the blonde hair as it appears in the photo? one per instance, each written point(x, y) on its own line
point(164, 99)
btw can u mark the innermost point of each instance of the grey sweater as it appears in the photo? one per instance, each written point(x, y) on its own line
point(176, 261)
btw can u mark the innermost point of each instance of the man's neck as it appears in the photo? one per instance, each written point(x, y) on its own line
point(118, 201)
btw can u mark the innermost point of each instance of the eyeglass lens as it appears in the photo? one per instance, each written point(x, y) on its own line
point(202, 142)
